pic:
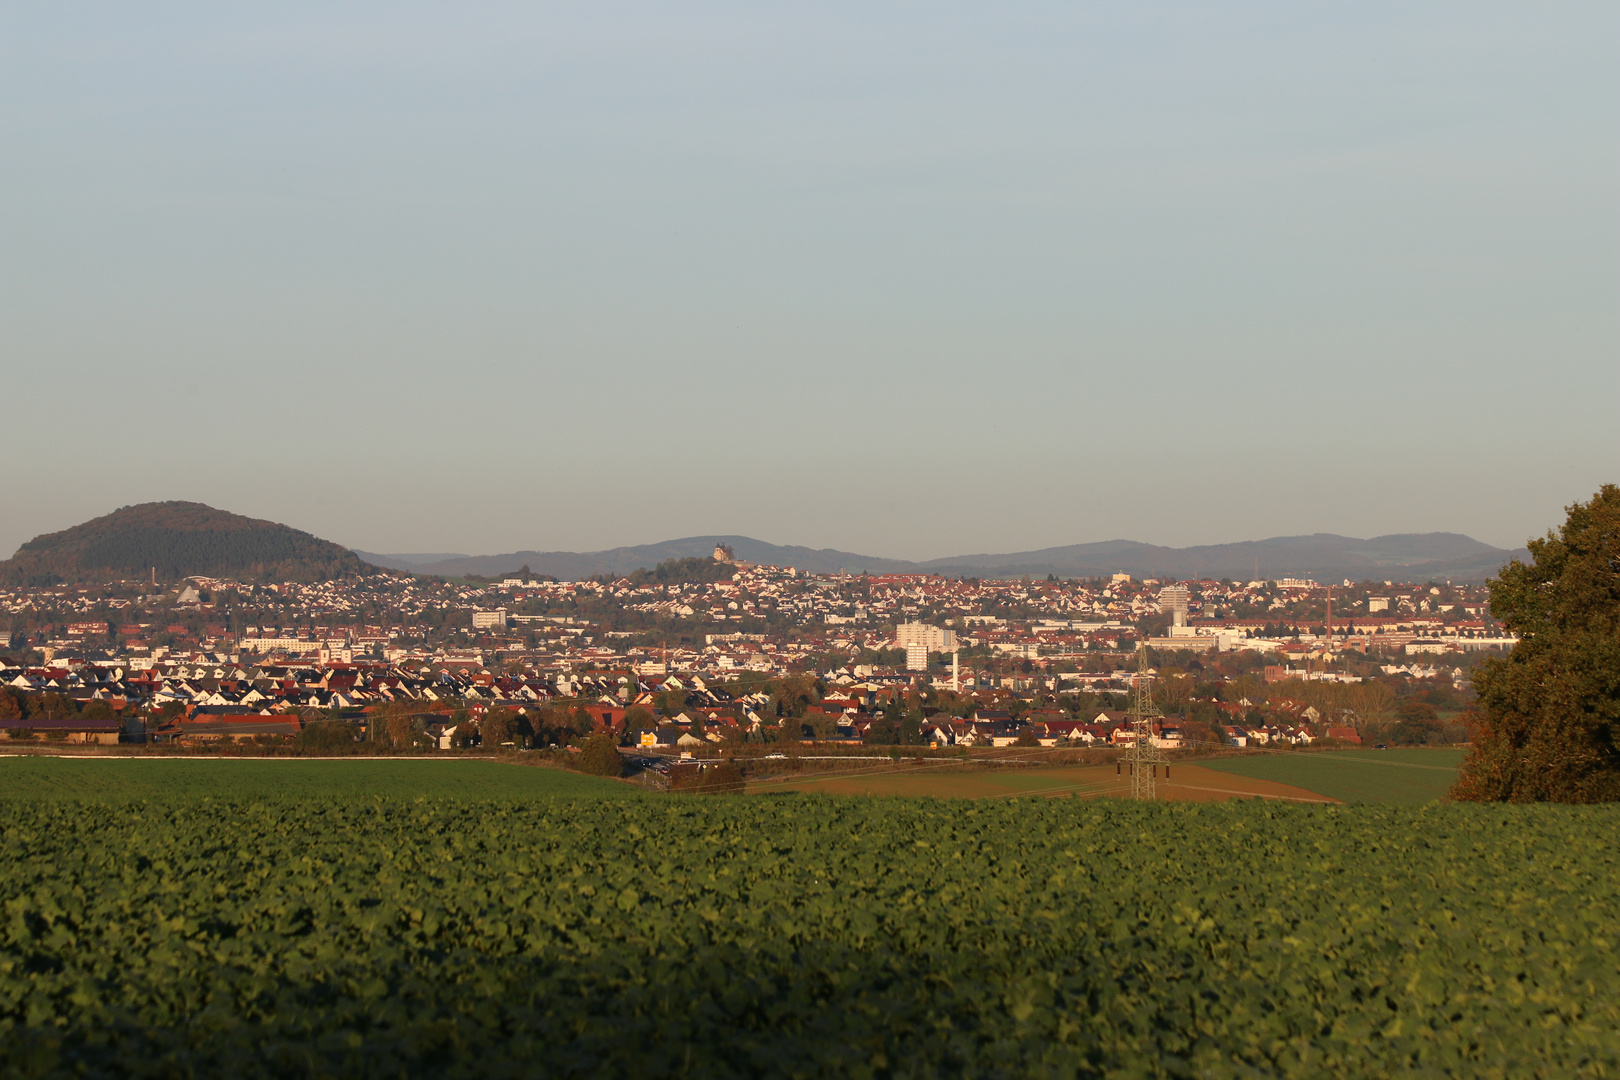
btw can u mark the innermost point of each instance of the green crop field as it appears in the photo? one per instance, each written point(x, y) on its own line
point(805, 936)
point(246, 778)
point(1402, 777)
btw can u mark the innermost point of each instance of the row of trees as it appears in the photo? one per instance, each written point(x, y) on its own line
point(400, 725)
point(18, 706)
point(17, 709)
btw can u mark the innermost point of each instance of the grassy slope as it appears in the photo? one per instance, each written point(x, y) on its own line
point(138, 778)
point(1401, 777)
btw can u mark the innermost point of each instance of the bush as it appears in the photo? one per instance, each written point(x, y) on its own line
point(600, 756)
point(1419, 725)
point(327, 737)
point(717, 778)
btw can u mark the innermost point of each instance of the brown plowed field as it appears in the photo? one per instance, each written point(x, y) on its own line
point(1188, 782)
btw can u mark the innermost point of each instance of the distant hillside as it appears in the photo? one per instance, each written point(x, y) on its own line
point(1326, 557)
point(178, 539)
point(578, 565)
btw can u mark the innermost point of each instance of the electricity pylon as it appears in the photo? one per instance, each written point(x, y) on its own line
point(1143, 756)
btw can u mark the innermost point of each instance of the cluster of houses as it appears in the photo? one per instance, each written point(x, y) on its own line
point(691, 729)
point(211, 698)
point(448, 648)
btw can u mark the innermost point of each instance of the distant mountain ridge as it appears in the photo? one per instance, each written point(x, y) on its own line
point(176, 540)
point(181, 539)
point(1325, 556)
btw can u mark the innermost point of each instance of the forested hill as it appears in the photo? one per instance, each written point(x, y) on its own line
point(178, 539)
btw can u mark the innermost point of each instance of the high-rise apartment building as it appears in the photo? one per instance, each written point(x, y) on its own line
point(1173, 602)
point(931, 638)
point(489, 620)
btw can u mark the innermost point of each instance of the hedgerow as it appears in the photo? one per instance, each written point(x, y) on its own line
point(806, 937)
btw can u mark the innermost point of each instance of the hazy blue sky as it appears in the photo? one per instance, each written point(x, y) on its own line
point(909, 279)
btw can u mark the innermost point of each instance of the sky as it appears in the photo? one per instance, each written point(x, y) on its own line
point(905, 279)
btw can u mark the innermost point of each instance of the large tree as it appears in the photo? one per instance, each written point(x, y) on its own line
point(1550, 710)
point(497, 727)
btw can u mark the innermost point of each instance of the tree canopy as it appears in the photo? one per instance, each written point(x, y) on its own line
point(1549, 710)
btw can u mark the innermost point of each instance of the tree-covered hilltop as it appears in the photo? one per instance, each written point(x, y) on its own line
point(178, 539)
point(677, 572)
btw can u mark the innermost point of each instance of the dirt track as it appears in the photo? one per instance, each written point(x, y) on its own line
point(1187, 783)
